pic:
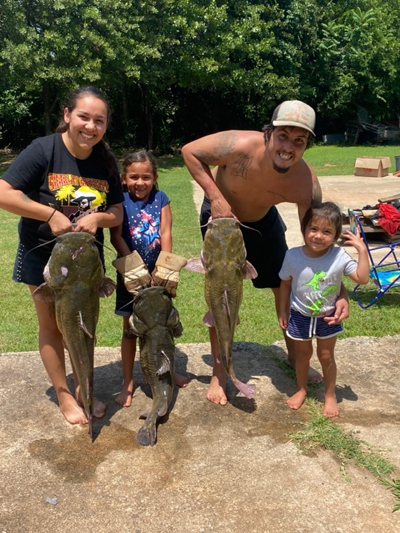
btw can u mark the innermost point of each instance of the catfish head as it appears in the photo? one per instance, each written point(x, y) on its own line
point(153, 307)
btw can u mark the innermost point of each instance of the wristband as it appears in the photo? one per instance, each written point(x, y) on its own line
point(48, 220)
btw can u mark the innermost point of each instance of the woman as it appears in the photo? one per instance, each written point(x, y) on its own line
point(67, 181)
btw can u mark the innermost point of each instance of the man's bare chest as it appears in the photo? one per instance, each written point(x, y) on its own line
point(263, 190)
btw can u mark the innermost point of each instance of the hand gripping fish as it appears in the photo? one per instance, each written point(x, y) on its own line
point(223, 260)
point(156, 322)
point(74, 280)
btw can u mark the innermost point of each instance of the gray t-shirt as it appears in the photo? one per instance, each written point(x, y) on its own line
point(316, 282)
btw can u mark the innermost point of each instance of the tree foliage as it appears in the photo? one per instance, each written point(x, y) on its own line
point(177, 69)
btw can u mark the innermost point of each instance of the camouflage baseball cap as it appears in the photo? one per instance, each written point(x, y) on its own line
point(294, 113)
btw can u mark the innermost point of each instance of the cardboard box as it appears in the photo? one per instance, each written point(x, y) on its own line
point(376, 167)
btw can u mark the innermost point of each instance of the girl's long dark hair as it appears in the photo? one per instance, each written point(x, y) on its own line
point(105, 151)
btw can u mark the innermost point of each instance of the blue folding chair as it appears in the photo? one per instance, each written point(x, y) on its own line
point(385, 273)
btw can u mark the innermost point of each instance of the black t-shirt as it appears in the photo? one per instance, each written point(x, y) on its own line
point(49, 174)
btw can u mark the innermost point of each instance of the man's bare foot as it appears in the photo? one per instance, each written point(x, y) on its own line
point(71, 410)
point(297, 400)
point(216, 390)
point(124, 398)
point(330, 407)
point(180, 381)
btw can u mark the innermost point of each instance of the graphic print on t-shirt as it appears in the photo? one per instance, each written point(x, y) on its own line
point(146, 232)
point(315, 282)
point(78, 196)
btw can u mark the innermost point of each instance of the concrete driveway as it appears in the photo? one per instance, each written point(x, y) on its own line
point(213, 469)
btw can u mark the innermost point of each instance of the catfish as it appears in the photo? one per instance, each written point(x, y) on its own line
point(75, 280)
point(223, 261)
point(155, 321)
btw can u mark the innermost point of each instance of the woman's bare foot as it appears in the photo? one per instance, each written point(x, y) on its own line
point(71, 410)
point(124, 398)
point(297, 400)
point(216, 389)
point(330, 407)
point(180, 381)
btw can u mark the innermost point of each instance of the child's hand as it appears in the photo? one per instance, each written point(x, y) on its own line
point(349, 238)
point(283, 321)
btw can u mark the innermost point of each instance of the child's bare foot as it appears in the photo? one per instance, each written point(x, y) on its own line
point(99, 408)
point(71, 410)
point(330, 407)
point(297, 400)
point(216, 389)
point(314, 376)
point(180, 381)
point(124, 398)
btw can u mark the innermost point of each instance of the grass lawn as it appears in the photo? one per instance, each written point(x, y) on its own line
point(18, 330)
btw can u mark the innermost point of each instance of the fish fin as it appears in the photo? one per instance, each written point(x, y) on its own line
point(174, 323)
point(162, 410)
point(138, 327)
point(107, 287)
point(165, 365)
point(43, 293)
point(146, 436)
point(195, 265)
point(177, 330)
point(208, 320)
point(249, 271)
point(247, 390)
point(83, 327)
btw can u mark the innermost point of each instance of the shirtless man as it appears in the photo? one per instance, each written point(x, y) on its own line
point(253, 172)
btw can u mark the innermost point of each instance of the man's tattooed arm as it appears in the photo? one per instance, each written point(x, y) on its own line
point(224, 145)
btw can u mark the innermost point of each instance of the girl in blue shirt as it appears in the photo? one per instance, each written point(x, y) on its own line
point(146, 228)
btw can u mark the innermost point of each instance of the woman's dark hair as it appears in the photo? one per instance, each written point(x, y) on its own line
point(81, 92)
point(269, 128)
point(141, 156)
point(328, 211)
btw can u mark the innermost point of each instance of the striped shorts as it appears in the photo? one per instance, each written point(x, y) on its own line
point(304, 328)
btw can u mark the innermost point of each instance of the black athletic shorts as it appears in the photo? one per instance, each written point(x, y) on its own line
point(265, 247)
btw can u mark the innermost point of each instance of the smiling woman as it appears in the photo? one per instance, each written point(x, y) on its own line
point(62, 183)
point(87, 124)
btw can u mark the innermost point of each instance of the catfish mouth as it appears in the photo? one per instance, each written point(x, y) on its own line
point(220, 220)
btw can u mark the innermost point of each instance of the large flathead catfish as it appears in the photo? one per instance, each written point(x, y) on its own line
point(74, 280)
point(156, 322)
point(223, 260)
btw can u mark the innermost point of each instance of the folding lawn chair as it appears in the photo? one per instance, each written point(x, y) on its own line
point(386, 272)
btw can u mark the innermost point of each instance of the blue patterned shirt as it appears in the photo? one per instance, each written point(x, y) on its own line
point(141, 226)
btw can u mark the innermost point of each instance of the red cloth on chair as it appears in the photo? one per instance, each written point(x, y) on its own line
point(389, 218)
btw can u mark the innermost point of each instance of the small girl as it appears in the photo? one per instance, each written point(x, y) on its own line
point(146, 228)
point(311, 279)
